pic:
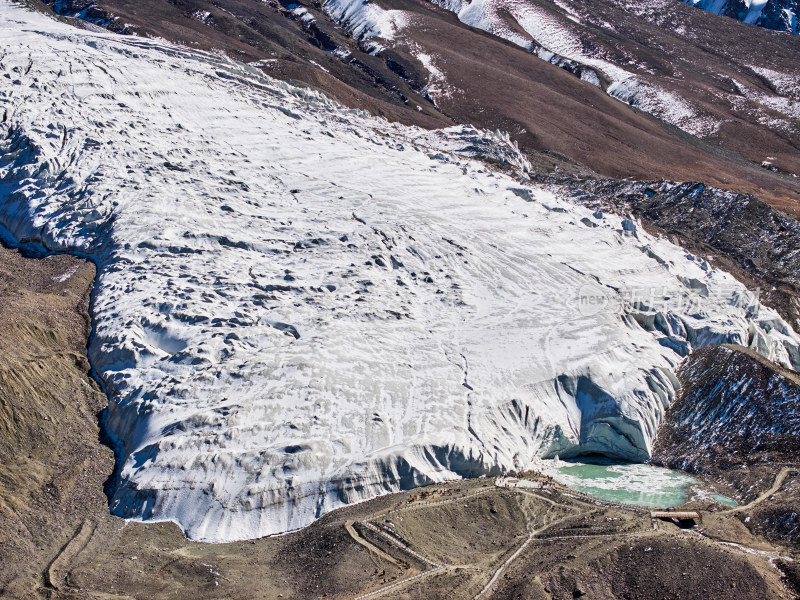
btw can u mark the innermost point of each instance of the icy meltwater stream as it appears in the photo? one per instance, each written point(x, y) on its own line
point(630, 483)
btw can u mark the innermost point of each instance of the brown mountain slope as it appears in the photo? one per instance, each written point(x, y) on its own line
point(52, 466)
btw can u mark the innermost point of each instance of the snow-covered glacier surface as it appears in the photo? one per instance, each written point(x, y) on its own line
point(300, 307)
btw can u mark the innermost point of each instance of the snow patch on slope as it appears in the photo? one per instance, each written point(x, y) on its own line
point(437, 86)
point(665, 105)
point(553, 40)
point(299, 307)
point(788, 86)
point(787, 107)
point(365, 20)
point(784, 84)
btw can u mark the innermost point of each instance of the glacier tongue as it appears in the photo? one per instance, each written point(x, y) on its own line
point(300, 307)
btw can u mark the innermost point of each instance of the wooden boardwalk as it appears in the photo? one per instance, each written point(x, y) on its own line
point(678, 515)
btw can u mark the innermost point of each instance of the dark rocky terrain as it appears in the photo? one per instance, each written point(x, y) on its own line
point(737, 420)
point(735, 232)
point(736, 408)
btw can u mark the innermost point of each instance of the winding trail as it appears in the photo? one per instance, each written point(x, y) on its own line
point(402, 546)
point(435, 566)
point(439, 567)
point(501, 569)
point(397, 584)
point(371, 547)
point(533, 536)
point(779, 479)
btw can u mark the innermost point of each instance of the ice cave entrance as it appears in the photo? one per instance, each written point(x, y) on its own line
point(628, 483)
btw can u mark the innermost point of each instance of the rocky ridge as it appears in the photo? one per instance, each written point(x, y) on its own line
point(734, 408)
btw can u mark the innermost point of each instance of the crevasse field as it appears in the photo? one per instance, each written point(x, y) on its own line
point(300, 307)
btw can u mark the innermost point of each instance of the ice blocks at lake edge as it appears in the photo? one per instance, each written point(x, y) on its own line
point(300, 307)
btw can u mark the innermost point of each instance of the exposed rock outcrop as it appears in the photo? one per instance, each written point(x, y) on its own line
point(734, 408)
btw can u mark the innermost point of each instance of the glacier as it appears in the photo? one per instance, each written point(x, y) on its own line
point(299, 306)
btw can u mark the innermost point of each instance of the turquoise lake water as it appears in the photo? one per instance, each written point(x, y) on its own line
point(630, 483)
point(724, 500)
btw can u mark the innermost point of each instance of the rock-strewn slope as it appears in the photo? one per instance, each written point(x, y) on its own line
point(734, 408)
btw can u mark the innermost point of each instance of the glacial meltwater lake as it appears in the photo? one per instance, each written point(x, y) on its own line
point(629, 483)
